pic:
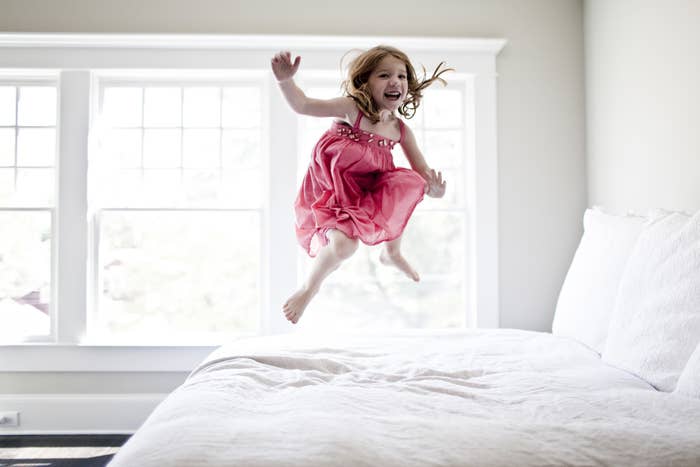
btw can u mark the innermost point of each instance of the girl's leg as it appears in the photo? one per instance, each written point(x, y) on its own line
point(391, 256)
point(339, 248)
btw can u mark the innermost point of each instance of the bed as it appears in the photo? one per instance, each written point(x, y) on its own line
point(498, 397)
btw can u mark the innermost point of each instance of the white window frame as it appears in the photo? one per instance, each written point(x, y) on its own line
point(184, 79)
point(461, 82)
point(77, 55)
point(47, 77)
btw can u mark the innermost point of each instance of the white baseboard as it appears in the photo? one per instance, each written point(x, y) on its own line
point(78, 413)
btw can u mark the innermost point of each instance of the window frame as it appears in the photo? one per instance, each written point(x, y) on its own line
point(158, 78)
point(312, 127)
point(77, 56)
point(27, 78)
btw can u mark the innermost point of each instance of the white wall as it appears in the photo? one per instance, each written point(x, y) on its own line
point(542, 187)
point(643, 104)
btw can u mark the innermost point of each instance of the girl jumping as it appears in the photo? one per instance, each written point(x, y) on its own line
point(352, 190)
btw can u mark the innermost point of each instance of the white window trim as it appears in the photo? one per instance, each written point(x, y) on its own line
point(71, 209)
point(77, 53)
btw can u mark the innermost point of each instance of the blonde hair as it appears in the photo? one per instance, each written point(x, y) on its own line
point(361, 67)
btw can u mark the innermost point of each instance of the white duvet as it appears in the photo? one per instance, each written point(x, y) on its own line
point(467, 398)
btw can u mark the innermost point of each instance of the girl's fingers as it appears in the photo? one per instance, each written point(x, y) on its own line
point(283, 56)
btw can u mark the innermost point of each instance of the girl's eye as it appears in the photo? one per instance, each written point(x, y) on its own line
point(402, 76)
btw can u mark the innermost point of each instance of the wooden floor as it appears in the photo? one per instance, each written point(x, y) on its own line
point(59, 451)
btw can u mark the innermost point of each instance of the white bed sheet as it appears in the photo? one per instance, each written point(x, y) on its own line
point(477, 398)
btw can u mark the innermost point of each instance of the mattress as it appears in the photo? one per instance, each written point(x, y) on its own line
point(443, 398)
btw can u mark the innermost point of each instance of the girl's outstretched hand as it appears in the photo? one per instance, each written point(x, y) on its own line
point(282, 65)
point(436, 185)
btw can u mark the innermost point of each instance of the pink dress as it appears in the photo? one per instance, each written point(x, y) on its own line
point(353, 185)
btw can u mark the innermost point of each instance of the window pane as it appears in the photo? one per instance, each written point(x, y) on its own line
point(161, 148)
point(119, 188)
point(7, 105)
point(443, 108)
point(7, 147)
point(227, 189)
point(444, 149)
point(202, 107)
point(25, 274)
point(242, 188)
point(241, 107)
point(161, 187)
point(201, 148)
point(364, 291)
point(444, 252)
point(201, 187)
point(241, 148)
point(179, 273)
point(162, 107)
point(122, 107)
point(7, 186)
point(36, 147)
point(183, 167)
point(37, 106)
point(35, 187)
point(121, 148)
point(417, 120)
point(374, 305)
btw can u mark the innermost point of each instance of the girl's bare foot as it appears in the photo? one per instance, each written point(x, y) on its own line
point(295, 305)
point(398, 261)
point(339, 248)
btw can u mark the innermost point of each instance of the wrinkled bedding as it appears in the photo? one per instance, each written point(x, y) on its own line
point(457, 398)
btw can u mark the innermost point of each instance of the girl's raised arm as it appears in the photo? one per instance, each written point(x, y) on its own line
point(284, 70)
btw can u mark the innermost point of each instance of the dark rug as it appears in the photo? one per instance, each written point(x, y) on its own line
point(99, 461)
point(60, 441)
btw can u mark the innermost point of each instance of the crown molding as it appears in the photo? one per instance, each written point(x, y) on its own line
point(251, 42)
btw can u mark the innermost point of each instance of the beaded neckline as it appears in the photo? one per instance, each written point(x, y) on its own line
point(358, 134)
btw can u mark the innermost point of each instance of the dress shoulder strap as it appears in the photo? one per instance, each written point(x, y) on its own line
point(401, 126)
point(357, 120)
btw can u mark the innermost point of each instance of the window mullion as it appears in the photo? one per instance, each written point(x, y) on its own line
point(71, 210)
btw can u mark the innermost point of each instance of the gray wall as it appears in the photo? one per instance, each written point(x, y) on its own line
point(643, 104)
point(542, 183)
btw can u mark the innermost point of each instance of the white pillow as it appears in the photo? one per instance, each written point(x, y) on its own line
point(587, 297)
point(689, 381)
point(656, 322)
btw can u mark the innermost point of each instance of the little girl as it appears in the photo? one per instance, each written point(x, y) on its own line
point(352, 190)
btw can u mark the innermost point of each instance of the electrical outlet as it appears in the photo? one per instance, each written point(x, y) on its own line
point(9, 419)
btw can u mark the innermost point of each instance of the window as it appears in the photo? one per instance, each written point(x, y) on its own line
point(176, 191)
point(365, 294)
point(27, 161)
point(170, 221)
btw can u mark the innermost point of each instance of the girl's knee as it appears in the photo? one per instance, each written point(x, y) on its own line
point(344, 247)
point(393, 247)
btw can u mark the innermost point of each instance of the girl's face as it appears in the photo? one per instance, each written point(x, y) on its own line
point(388, 83)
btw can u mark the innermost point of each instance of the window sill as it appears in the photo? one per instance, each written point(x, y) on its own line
point(101, 358)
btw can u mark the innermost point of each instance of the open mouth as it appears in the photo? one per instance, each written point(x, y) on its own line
point(393, 95)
